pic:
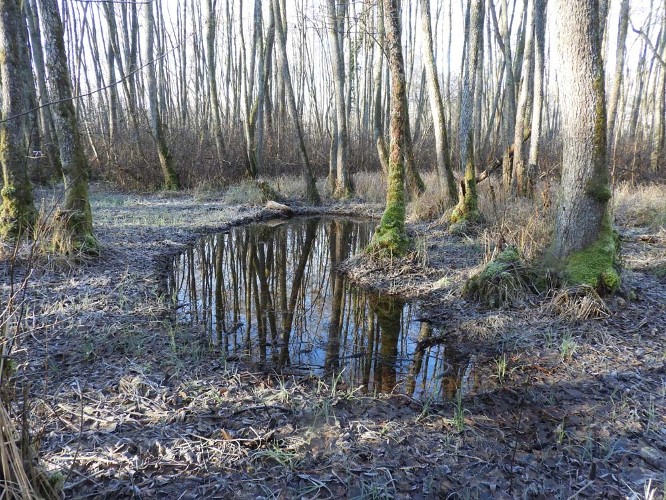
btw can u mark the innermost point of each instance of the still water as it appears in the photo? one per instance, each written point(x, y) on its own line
point(271, 294)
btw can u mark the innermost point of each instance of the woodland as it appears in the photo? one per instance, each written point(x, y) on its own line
point(319, 249)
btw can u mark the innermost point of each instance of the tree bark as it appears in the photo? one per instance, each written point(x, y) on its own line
point(342, 184)
point(467, 208)
point(444, 169)
point(537, 104)
point(18, 214)
point(519, 170)
point(311, 192)
point(584, 245)
point(78, 215)
point(171, 180)
point(390, 238)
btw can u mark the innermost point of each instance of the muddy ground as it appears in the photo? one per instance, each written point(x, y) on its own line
point(125, 403)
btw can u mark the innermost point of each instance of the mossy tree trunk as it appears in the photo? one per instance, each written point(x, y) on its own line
point(390, 237)
point(72, 156)
point(171, 180)
point(467, 208)
point(584, 246)
point(18, 211)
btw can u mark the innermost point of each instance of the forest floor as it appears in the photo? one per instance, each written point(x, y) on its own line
point(569, 397)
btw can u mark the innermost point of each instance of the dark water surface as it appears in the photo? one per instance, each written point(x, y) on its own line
point(270, 294)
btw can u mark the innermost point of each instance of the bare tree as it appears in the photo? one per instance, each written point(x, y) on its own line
point(310, 186)
point(519, 170)
point(623, 26)
point(537, 104)
point(342, 187)
point(171, 180)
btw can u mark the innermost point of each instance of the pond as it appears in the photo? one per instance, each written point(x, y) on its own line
point(271, 294)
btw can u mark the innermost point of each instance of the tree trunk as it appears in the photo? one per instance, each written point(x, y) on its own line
point(537, 109)
point(659, 130)
point(49, 141)
point(18, 213)
point(390, 238)
point(519, 170)
point(467, 208)
point(377, 125)
point(342, 185)
point(444, 169)
point(72, 155)
point(584, 244)
point(171, 180)
point(311, 192)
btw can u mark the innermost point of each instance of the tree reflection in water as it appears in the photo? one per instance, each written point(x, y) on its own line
point(271, 295)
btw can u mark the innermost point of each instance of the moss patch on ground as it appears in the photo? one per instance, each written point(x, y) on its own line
point(501, 281)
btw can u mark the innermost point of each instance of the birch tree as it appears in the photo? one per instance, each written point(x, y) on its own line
point(18, 214)
point(584, 246)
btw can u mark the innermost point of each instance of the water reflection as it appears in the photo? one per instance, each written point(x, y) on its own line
point(271, 294)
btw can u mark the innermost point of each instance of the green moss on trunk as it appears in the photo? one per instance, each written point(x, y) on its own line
point(595, 265)
point(18, 212)
point(467, 209)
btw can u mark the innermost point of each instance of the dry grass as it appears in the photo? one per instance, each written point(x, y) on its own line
point(640, 206)
point(579, 303)
point(370, 187)
point(244, 192)
point(523, 223)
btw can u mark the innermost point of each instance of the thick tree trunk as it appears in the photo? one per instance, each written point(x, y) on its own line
point(584, 244)
point(18, 214)
point(72, 155)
